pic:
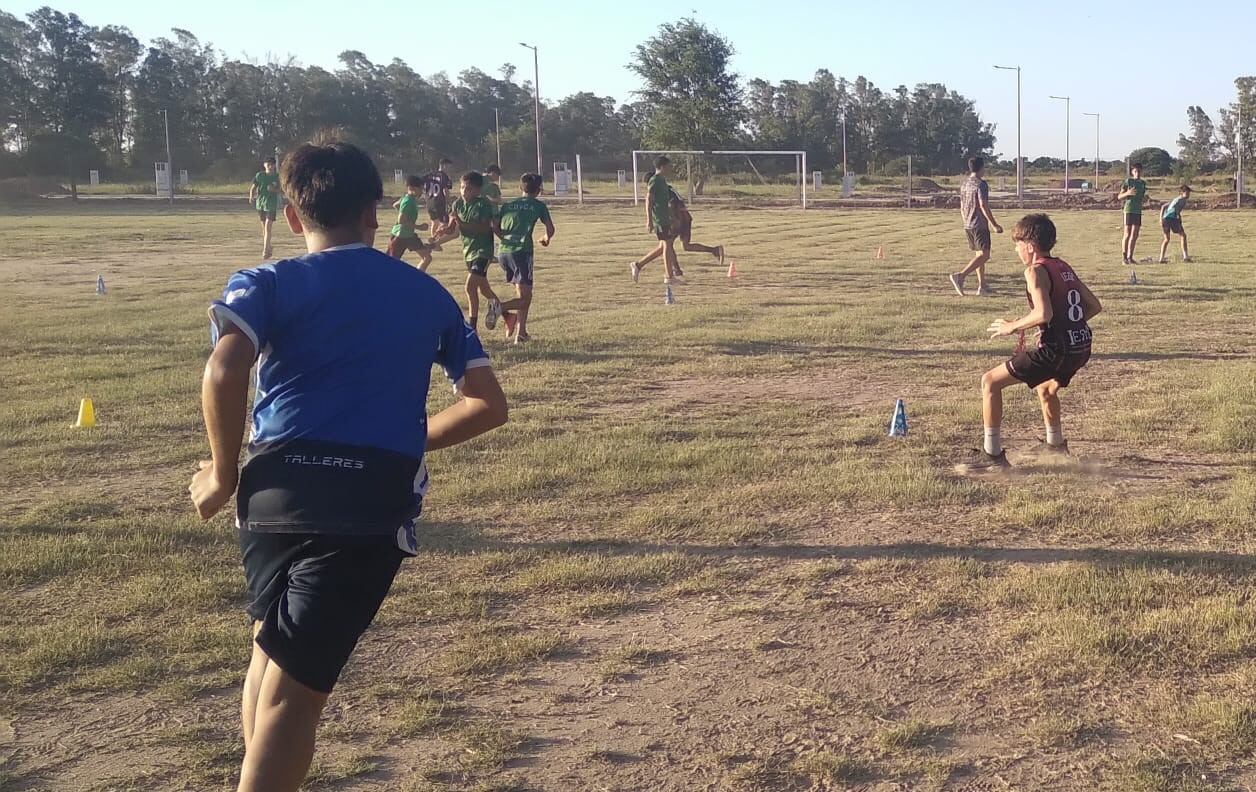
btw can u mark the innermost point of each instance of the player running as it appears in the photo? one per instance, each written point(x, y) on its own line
point(974, 208)
point(436, 187)
point(514, 224)
point(682, 225)
point(344, 340)
point(658, 220)
point(1060, 306)
point(1171, 223)
point(405, 231)
point(1133, 192)
point(472, 218)
point(264, 194)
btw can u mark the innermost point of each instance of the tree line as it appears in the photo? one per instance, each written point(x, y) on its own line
point(75, 97)
point(1207, 146)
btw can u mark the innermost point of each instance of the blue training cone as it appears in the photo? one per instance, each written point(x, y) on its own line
point(668, 298)
point(898, 424)
point(100, 284)
point(1133, 278)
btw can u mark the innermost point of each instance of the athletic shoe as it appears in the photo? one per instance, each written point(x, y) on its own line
point(1162, 261)
point(635, 269)
point(1127, 261)
point(958, 282)
point(677, 270)
point(719, 254)
point(491, 315)
point(1186, 259)
point(1045, 449)
point(675, 280)
point(978, 461)
point(984, 291)
point(511, 319)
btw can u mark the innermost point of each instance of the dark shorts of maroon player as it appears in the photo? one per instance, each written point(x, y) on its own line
point(978, 239)
point(683, 228)
point(1039, 364)
point(266, 214)
point(1172, 224)
point(397, 246)
point(663, 233)
point(1135, 220)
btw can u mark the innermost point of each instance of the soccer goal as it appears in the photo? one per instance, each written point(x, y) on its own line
point(768, 177)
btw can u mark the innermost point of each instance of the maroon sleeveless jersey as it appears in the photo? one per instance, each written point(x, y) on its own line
point(1067, 332)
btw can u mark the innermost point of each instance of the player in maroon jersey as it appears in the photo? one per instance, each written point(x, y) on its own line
point(1060, 306)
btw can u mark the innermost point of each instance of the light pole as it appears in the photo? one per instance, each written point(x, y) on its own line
point(497, 123)
point(1096, 116)
point(1020, 164)
point(536, 95)
point(1068, 101)
point(845, 170)
point(169, 161)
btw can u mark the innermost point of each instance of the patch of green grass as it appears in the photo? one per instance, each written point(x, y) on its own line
point(909, 735)
point(827, 767)
point(490, 651)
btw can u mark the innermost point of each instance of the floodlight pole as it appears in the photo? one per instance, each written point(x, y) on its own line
point(169, 161)
point(1096, 115)
point(536, 98)
point(1067, 120)
point(1020, 164)
point(497, 123)
point(845, 170)
point(1238, 180)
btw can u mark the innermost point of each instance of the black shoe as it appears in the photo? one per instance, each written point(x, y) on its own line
point(978, 461)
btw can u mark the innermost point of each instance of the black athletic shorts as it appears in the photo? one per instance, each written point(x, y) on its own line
point(978, 239)
point(314, 595)
point(1135, 220)
point(397, 246)
point(1171, 224)
point(663, 233)
point(1042, 363)
point(478, 267)
point(438, 209)
point(266, 214)
point(518, 267)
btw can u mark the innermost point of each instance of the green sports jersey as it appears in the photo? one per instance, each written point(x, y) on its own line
point(660, 202)
point(267, 185)
point(409, 209)
point(1173, 210)
point(1134, 204)
point(477, 210)
point(518, 218)
point(492, 190)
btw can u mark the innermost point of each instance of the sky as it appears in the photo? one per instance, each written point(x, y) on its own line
point(1139, 65)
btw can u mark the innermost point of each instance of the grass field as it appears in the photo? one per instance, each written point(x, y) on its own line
point(693, 559)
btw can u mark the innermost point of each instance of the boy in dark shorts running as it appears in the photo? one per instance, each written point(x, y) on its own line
point(264, 194)
point(1133, 192)
point(682, 227)
point(332, 482)
point(472, 218)
point(1060, 306)
point(658, 219)
point(405, 231)
point(436, 187)
point(513, 225)
point(1171, 223)
point(974, 208)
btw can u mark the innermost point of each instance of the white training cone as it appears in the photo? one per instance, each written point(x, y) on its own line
point(668, 298)
point(100, 284)
point(898, 423)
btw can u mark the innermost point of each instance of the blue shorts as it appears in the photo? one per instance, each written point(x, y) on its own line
point(517, 266)
point(314, 595)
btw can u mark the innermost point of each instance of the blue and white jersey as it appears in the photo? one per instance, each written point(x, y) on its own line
point(346, 339)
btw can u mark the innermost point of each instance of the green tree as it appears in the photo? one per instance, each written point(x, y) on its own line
point(119, 53)
point(1156, 161)
point(1200, 147)
point(1228, 142)
point(693, 100)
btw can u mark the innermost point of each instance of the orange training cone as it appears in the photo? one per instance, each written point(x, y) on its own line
point(880, 253)
point(732, 269)
point(86, 415)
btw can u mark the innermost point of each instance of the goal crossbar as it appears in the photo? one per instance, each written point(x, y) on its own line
point(800, 166)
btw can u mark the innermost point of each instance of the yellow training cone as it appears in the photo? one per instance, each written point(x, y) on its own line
point(87, 415)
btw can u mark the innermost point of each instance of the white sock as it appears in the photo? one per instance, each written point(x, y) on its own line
point(994, 440)
point(1055, 435)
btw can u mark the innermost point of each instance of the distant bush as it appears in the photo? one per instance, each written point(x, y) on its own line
point(1156, 161)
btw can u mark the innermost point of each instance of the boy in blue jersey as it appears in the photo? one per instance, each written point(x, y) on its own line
point(1171, 223)
point(344, 339)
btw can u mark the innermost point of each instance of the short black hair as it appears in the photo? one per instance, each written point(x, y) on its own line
point(1184, 188)
point(330, 184)
point(494, 169)
point(414, 180)
point(661, 160)
point(1136, 166)
point(531, 183)
point(976, 163)
point(1036, 229)
point(271, 160)
point(474, 178)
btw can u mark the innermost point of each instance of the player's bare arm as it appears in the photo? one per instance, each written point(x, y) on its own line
point(224, 402)
point(985, 210)
point(1037, 283)
point(549, 234)
point(481, 409)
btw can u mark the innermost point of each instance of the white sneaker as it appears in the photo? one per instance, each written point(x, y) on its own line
point(635, 269)
point(492, 314)
point(958, 283)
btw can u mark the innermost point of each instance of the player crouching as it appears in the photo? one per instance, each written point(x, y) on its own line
point(1060, 307)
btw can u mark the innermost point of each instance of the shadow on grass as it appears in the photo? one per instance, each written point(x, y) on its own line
point(468, 538)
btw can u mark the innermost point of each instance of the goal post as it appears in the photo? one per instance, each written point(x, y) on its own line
point(789, 163)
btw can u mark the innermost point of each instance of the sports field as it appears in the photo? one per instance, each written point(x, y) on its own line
point(692, 560)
